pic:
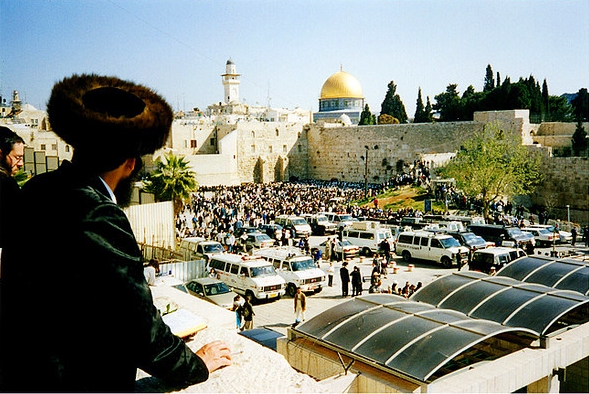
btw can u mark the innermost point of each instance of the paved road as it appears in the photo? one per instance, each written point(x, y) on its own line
point(279, 314)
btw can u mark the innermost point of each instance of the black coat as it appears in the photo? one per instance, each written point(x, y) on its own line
point(77, 313)
point(356, 278)
point(344, 275)
point(9, 205)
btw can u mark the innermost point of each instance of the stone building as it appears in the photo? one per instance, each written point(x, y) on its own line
point(232, 142)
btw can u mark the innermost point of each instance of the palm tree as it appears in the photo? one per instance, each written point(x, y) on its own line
point(172, 180)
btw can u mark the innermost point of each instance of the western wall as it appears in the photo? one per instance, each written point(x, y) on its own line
point(274, 151)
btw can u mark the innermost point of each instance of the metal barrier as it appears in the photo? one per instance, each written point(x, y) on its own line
point(184, 270)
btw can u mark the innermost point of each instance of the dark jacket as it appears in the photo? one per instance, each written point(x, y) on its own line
point(248, 311)
point(77, 313)
point(9, 205)
point(344, 274)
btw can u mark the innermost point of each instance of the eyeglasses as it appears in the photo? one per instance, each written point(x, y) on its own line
point(16, 158)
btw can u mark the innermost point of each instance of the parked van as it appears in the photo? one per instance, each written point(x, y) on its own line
point(368, 236)
point(501, 235)
point(320, 225)
point(248, 275)
point(484, 259)
point(425, 245)
point(296, 223)
point(296, 268)
point(342, 220)
point(197, 248)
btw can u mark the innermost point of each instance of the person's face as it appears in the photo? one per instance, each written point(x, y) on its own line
point(14, 159)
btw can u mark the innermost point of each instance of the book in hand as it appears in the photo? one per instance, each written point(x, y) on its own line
point(184, 323)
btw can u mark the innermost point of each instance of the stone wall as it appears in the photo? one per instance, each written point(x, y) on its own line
point(566, 182)
point(270, 151)
point(340, 152)
point(556, 134)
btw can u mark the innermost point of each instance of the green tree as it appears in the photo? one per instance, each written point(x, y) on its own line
point(559, 108)
point(366, 117)
point(428, 110)
point(420, 115)
point(545, 100)
point(493, 164)
point(448, 104)
point(172, 180)
point(579, 140)
point(580, 105)
point(489, 81)
point(470, 102)
point(393, 105)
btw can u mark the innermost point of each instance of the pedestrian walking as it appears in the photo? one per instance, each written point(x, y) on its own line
point(300, 306)
point(574, 234)
point(248, 314)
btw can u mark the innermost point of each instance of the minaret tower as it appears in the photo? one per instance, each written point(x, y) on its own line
point(231, 83)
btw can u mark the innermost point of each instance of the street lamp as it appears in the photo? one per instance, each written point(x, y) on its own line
point(569, 215)
point(366, 171)
point(366, 149)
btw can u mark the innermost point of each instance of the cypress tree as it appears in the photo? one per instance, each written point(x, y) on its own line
point(428, 110)
point(393, 105)
point(366, 117)
point(545, 105)
point(420, 114)
point(489, 81)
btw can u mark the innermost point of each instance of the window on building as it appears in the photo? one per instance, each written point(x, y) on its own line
point(277, 133)
point(300, 148)
point(270, 149)
point(253, 134)
point(193, 144)
point(213, 141)
point(43, 147)
point(253, 149)
point(54, 147)
point(284, 149)
point(67, 148)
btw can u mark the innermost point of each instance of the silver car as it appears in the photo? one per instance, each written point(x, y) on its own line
point(212, 290)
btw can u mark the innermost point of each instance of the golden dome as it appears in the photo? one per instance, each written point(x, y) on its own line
point(341, 85)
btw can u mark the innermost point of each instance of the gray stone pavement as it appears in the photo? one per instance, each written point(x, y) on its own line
point(278, 315)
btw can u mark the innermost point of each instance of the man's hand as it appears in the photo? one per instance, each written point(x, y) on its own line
point(215, 355)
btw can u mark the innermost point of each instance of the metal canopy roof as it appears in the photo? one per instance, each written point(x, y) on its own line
point(506, 301)
point(565, 274)
point(413, 338)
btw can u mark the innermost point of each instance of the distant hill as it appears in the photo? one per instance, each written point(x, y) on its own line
point(569, 96)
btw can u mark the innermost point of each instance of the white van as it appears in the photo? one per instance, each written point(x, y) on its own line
point(368, 235)
point(425, 245)
point(296, 223)
point(296, 268)
point(250, 276)
point(198, 248)
point(497, 257)
point(342, 220)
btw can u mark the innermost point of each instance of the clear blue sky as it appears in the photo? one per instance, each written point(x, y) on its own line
point(285, 50)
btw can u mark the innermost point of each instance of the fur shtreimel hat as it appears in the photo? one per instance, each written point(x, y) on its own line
point(93, 113)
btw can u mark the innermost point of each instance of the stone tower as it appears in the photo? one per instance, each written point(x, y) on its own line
point(231, 83)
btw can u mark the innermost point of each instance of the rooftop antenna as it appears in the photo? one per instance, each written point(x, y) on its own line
point(268, 96)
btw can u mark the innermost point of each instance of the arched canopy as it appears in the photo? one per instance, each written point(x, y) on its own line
point(507, 301)
point(411, 338)
point(564, 274)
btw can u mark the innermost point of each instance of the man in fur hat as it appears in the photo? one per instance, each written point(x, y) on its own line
point(88, 323)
